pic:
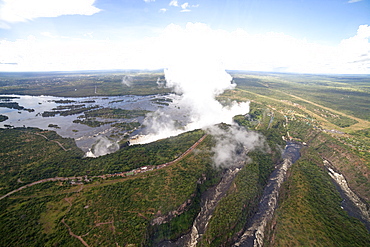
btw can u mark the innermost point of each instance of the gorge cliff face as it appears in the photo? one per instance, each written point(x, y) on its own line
point(256, 229)
point(352, 203)
point(256, 212)
point(208, 202)
point(256, 226)
point(344, 160)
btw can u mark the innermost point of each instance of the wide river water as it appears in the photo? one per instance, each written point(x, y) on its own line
point(84, 135)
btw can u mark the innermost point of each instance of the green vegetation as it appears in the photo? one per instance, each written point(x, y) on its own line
point(3, 118)
point(90, 122)
point(329, 113)
point(70, 110)
point(359, 141)
point(67, 107)
point(15, 105)
point(347, 149)
point(8, 98)
point(118, 210)
point(20, 224)
point(346, 110)
point(135, 156)
point(89, 117)
point(64, 101)
point(240, 203)
point(162, 101)
point(27, 156)
point(182, 223)
point(348, 94)
point(337, 119)
point(354, 164)
point(53, 126)
point(115, 113)
point(362, 133)
point(310, 212)
point(111, 211)
point(127, 126)
point(80, 84)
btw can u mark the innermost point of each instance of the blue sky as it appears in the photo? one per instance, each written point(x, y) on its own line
point(280, 35)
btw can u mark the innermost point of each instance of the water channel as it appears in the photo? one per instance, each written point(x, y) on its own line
point(85, 136)
point(254, 234)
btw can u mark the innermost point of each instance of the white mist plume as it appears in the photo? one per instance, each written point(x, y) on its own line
point(195, 72)
point(102, 146)
point(161, 82)
point(160, 125)
point(233, 144)
point(127, 80)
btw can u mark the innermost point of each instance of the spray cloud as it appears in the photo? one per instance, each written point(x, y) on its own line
point(195, 71)
point(102, 146)
point(127, 80)
point(233, 143)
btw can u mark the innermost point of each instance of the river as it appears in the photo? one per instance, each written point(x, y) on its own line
point(254, 234)
point(85, 136)
point(351, 203)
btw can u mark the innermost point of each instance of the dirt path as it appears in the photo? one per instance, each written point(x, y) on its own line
point(57, 142)
point(188, 151)
point(322, 120)
point(39, 182)
point(362, 124)
point(81, 178)
point(69, 200)
point(74, 235)
point(358, 126)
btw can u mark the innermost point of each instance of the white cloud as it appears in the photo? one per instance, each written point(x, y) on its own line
point(163, 10)
point(12, 11)
point(355, 51)
point(148, 1)
point(174, 3)
point(185, 7)
point(354, 1)
point(235, 50)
